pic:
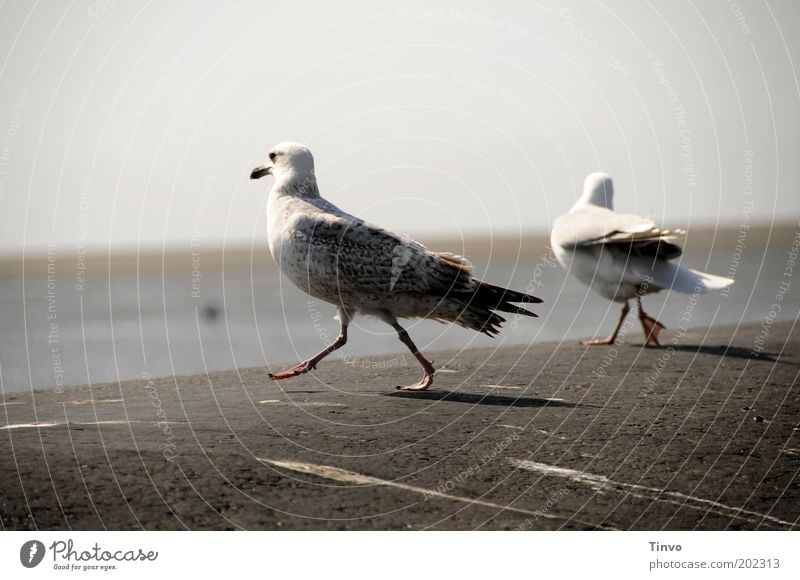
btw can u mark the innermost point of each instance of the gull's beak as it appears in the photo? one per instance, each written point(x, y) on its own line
point(261, 171)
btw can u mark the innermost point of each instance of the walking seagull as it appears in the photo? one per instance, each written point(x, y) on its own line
point(623, 256)
point(363, 269)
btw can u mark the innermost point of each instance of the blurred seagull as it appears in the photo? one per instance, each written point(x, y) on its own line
point(623, 256)
point(363, 269)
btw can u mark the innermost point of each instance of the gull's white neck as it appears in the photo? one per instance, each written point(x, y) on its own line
point(296, 183)
point(598, 190)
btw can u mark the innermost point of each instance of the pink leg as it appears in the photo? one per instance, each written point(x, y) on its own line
point(650, 325)
point(610, 340)
point(427, 378)
point(311, 363)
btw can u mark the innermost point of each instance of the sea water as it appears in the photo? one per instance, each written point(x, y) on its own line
point(56, 333)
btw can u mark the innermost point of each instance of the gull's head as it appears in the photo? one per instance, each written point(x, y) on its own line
point(285, 160)
point(598, 189)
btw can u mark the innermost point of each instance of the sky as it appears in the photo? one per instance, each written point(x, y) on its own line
point(129, 125)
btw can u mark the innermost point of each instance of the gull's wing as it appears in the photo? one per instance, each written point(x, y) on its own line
point(373, 261)
point(593, 226)
point(370, 259)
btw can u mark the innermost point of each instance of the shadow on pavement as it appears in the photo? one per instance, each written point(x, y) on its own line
point(477, 399)
point(728, 352)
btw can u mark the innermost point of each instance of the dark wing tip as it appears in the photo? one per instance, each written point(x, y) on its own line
point(530, 299)
point(525, 312)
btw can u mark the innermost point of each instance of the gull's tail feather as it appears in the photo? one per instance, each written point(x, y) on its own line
point(468, 301)
point(712, 281)
point(674, 277)
point(477, 308)
point(499, 298)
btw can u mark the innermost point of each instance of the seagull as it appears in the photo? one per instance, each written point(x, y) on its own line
point(363, 269)
point(623, 256)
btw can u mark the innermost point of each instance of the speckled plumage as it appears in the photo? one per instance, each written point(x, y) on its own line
point(364, 269)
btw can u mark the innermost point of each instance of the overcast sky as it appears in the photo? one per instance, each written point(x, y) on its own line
point(126, 123)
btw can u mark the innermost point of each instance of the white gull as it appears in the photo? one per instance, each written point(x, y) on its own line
point(623, 256)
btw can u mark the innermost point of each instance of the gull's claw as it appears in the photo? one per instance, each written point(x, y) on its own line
point(422, 385)
point(303, 367)
point(598, 341)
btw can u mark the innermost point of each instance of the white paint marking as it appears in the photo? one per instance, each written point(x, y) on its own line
point(107, 422)
point(300, 403)
point(346, 438)
point(6, 403)
point(28, 425)
point(82, 423)
point(542, 431)
point(501, 387)
point(338, 474)
point(602, 483)
point(95, 401)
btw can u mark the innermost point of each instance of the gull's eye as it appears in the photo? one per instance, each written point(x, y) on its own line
point(272, 156)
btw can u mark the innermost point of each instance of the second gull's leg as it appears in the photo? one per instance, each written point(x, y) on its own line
point(610, 340)
point(650, 325)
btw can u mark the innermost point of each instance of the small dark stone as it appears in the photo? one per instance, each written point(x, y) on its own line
point(758, 419)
